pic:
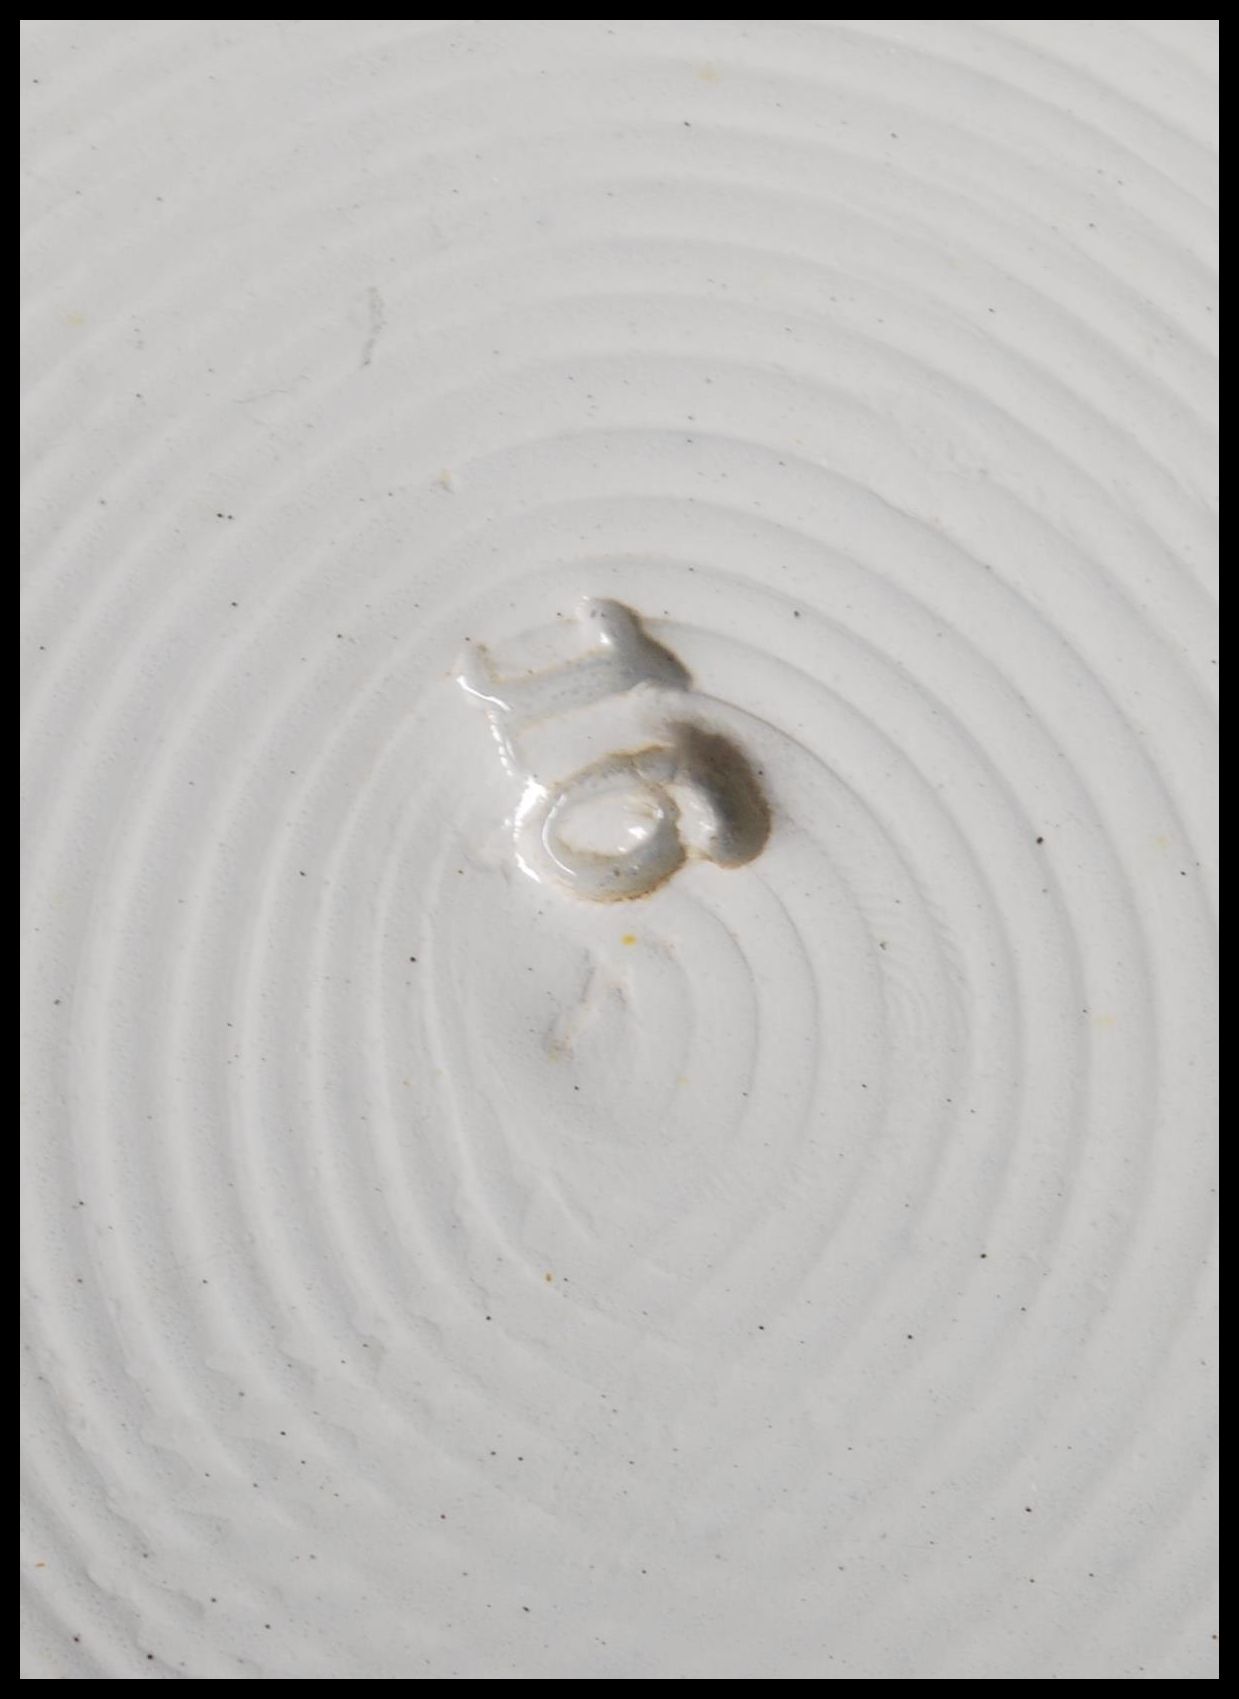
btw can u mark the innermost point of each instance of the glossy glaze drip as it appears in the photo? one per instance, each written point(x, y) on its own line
point(688, 792)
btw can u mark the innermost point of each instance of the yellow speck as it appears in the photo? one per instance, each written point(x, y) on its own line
point(709, 73)
point(629, 938)
point(548, 1277)
point(75, 319)
point(1103, 1021)
point(40, 1566)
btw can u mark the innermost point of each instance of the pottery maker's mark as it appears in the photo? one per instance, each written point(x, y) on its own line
point(648, 786)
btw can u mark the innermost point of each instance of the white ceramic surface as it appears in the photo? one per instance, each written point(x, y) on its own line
point(802, 1270)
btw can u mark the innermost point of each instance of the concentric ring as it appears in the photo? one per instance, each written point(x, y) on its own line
point(804, 1270)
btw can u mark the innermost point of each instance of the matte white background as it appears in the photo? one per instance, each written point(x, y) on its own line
point(804, 1272)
